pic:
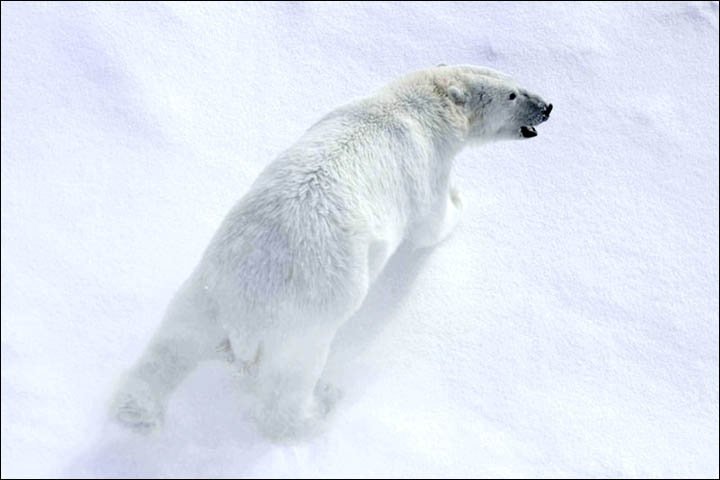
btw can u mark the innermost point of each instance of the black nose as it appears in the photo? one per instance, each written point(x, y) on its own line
point(547, 110)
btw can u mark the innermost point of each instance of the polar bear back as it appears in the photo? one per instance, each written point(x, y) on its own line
point(300, 237)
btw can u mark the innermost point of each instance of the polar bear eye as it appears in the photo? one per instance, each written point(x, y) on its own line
point(512, 96)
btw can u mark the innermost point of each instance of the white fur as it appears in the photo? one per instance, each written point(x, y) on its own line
point(295, 257)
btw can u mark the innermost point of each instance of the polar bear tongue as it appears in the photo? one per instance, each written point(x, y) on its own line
point(528, 132)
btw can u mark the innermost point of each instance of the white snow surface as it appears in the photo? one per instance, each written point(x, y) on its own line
point(569, 326)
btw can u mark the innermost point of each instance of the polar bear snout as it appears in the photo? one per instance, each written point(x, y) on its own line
point(547, 111)
point(537, 111)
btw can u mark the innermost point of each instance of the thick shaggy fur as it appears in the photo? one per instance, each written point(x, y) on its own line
point(295, 257)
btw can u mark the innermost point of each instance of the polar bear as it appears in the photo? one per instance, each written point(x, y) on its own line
point(294, 258)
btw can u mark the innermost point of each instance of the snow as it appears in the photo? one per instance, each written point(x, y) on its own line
point(569, 327)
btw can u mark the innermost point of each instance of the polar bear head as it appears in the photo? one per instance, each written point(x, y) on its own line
point(494, 106)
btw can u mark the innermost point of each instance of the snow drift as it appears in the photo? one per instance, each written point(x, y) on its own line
point(569, 327)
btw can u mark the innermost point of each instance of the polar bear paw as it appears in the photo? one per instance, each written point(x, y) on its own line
point(137, 409)
point(290, 422)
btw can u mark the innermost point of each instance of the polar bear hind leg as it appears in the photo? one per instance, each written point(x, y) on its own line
point(290, 403)
point(188, 335)
point(291, 399)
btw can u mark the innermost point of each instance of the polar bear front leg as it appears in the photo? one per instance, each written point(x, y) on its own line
point(441, 221)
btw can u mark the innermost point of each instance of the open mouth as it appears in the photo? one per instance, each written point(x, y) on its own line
point(528, 131)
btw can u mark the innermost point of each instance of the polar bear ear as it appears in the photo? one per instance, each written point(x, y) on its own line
point(457, 95)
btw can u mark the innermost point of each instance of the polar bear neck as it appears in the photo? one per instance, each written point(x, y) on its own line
point(442, 121)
